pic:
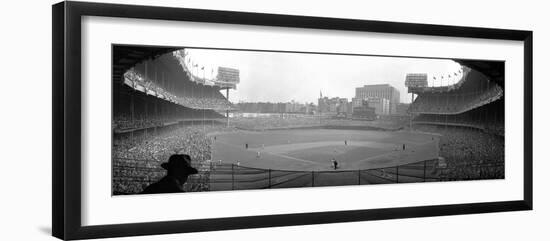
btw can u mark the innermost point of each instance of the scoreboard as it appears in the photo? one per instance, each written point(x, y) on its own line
point(227, 77)
point(416, 80)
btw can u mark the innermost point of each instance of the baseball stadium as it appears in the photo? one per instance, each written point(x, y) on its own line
point(164, 104)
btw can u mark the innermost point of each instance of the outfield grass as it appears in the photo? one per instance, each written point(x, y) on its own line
point(312, 149)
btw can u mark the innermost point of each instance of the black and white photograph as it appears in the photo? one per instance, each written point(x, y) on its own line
point(275, 120)
point(191, 119)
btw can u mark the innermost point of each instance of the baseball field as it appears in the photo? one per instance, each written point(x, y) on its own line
point(314, 149)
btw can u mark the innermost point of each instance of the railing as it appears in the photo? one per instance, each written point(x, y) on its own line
point(216, 176)
point(235, 177)
point(131, 176)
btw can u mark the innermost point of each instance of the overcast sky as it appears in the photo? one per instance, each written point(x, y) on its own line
point(282, 77)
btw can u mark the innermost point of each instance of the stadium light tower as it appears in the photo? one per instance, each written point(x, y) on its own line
point(202, 96)
point(415, 81)
point(411, 114)
point(227, 78)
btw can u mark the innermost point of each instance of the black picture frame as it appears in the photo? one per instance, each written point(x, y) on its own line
point(66, 122)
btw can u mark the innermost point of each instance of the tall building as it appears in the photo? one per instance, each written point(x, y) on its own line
point(383, 91)
point(333, 105)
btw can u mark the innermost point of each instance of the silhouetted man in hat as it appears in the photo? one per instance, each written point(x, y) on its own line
point(179, 168)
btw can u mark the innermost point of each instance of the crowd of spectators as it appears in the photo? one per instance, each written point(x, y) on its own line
point(212, 101)
point(122, 122)
point(385, 124)
point(470, 154)
point(268, 123)
point(455, 102)
point(495, 127)
point(136, 160)
point(205, 98)
point(126, 122)
point(305, 121)
point(458, 120)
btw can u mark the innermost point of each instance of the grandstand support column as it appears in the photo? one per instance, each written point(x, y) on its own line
point(146, 115)
point(486, 116)
point(132, 110)
point(411, 117)
point(202, 96)
point(447, 115)
point(132, 106)
point(156, 101)
point(227, 111)
point(212, 97)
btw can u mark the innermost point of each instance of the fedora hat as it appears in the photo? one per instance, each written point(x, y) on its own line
point(181, 162)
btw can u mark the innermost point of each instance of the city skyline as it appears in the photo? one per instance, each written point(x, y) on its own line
point(283, 77)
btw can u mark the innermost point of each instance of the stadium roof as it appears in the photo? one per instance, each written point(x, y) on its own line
point(492, 69)
point(126, 56)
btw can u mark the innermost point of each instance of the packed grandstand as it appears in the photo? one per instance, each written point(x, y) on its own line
point(160, 107)
point(159, 92)
point(475, 102)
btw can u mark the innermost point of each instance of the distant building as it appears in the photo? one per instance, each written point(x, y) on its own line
point(295, 107)
point(381, 105)
point(363, 112)
point(342, 106)
point(383, 91)
point(268, 107)
point(334, 105)
point(358, 102)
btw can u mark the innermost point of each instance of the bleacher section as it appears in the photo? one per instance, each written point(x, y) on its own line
point(159, 92)
point(476, 103)
point(196, 97)
point(476, 92)
point(136, 110)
